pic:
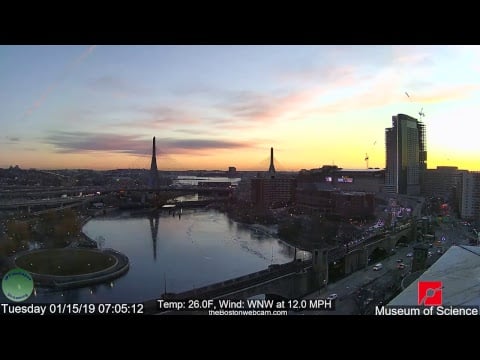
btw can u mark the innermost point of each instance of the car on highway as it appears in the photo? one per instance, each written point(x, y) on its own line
point(377, 267)
point(409, 254)
point(332, 297)
point(401, 266)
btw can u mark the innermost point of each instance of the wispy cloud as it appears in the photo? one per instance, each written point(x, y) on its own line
point(10, 140)
point(71, 142)
point(199, 145)
point(117, 86)
point(79, 142)
point(188, 131)
point(247, 104)
point(193, 90)
point(160, 117)
point(447, 93)
point(250, 108)
point(84, 55)
point(379, 95)
point(242, 110)
point(72, 116)
point(69, 68)
point(414, 57)
point(329, 76)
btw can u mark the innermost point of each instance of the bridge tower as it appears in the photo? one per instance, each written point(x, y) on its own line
point(271, 169)
point(320, 266)
point(154, 180)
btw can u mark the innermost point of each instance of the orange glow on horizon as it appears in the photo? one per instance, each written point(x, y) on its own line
point(243, 161)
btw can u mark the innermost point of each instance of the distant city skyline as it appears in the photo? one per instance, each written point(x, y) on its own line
point(211, 107)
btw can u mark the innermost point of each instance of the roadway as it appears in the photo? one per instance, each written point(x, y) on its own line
point(347, 287)
point(375, 282)
point(454, 233)
point(25, 198)
point(356, 283)
point(54, 201)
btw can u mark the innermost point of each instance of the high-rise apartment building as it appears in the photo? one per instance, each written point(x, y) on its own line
point(406, 155)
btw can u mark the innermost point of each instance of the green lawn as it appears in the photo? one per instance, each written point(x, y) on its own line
point(64, 262)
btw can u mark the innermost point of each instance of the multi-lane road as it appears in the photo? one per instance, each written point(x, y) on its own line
point(377, 283)
point(348, 287)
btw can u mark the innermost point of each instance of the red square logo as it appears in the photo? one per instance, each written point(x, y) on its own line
point(430, 293)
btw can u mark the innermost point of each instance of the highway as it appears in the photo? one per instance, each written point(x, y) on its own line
point(347, 287)
point(31, 197)
point(375, 282)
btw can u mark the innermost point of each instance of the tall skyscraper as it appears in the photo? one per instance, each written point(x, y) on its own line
point(406, 155)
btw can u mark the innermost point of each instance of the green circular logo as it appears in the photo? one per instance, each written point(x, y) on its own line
point(17, 285)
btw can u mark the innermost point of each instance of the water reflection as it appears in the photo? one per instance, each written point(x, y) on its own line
point(154, 219)
point(179, 253)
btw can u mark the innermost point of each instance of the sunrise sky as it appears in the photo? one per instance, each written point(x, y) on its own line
point(211, 107)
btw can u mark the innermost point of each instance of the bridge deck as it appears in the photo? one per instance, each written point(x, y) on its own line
point(219, 289)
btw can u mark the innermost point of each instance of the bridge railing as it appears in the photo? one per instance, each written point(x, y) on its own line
point(221, 288)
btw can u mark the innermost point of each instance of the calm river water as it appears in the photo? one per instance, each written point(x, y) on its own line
point(179, 253)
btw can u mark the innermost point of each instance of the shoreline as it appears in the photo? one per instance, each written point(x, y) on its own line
point(267, 230)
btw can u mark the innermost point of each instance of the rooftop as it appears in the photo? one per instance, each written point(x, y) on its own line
point(361, 170)
point(458, 269)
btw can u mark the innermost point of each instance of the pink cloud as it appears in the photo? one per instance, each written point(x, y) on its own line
point(162, 117)
point(251, 109)
point(82, 142)
point(446, 94)
point(412, 56)
point(257, 109)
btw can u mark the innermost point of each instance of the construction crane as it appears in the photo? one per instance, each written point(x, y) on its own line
point(421, 113)
point(366, 159)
